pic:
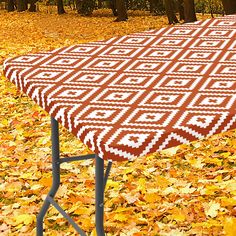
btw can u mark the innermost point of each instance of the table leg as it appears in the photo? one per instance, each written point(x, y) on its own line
point(99, 193)
point(55, 173)
point(101, 180)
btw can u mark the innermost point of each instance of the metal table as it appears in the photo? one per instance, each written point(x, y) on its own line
point(133, 95)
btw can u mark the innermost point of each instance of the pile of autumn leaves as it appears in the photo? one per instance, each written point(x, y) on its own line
point(187, 190)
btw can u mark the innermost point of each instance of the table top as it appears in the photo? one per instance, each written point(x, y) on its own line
point(134, 95)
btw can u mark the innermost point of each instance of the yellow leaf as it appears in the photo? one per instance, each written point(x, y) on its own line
point(226, 154)
point(29, 175)
point(142, 221)
point(3, 187)
point(142, 185)
point(36, 186)
point(15, 205)
point(170, 151)
point(232, 158)
point(83, 211)
point(4, 122)
point(215, 161)
point(93, 233)
point(176, 232)
point(211, 189)
point(228, 201)
point(87, 223)
point(211, 209)
point(25, 219)
point(67, 166)
point(114, 184)
point(197, 163)
point(207, 224)
point(14, 187)
point(187, 189)
point(19, 226)
point(123, 209)
point(55, 216)
point(44, 141)
point(4, 164)
point(231, 186)
point(178, 215)
point(129, 170)
point(162, 182)
point(130, 198)
point(152, 197)
point(229, 226)
point(169, 190)
point(120, 217)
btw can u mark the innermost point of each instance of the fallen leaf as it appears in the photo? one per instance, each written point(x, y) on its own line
point(211, 209)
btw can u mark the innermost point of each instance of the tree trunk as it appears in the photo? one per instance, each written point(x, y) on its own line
point(152, 3)
point(181, 9)
point(154, 6)
point(210, 3)
point(131, 4)
point(189, 11)
point(10, 5)
point(99, 4)
point(113, 7)
point(170, 11)
point(157, 7)
point(21, 5)
point(229, 6)
point(32, 7)
point(60, 7)
point(121, 11)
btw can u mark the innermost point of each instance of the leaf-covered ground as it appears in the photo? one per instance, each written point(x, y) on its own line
point(187, 190)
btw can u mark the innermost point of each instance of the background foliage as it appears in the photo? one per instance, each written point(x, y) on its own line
point(87, 6)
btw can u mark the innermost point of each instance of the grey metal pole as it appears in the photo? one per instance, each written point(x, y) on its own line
point(99, 194)
point(55, 174)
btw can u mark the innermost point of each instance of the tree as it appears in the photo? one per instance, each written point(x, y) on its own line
point(60, 7)
point(189, 11)
point(22, 5)
point(156, 7)
point(121, 11)
point(32, 7)
point(99, 4)
point(113, 7)
point(10, 5)
point(180, 4)
point(170, 11)
point(85, 7)
point(229, 6)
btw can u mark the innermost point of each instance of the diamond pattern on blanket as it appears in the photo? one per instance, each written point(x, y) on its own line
point(135, 80)
point(94, 114)
point(223, 69)
point(157, 53)
point(165, 99)
point(177, 83)
point(220, 84)
point(213, 101)
point(118, 96)
point(136, 94)
point(199, 124)
point(94, 78)
point(209, 43)
point(82, 49)
point(150, 117)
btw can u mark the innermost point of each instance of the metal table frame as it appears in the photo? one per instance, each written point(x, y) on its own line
point(100, 183)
